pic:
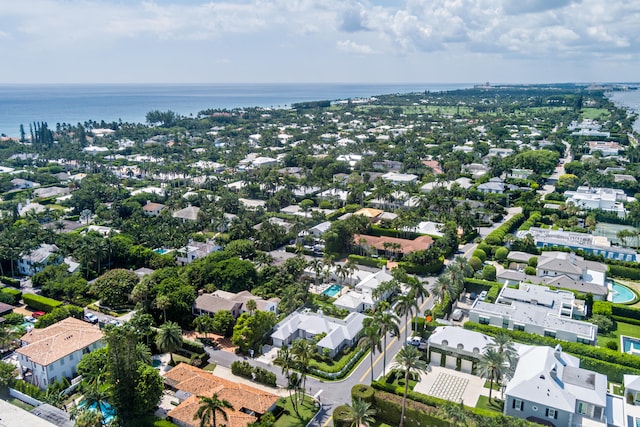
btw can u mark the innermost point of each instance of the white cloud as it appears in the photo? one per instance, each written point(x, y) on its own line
point(353, 47)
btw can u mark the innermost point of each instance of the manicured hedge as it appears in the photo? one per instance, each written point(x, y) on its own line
point(432, 268)
point(242, 369)
point(263, 376)
point(495, 237)
point(10, 282)
point(362, 392)
point(632, 273)
point(602, 307)
point(260, 375)
point(342, 416)
point(193, 346)
point(607, 361)
point(623, 310)
point(15, 295)
point(38, 302)
point(368, 261)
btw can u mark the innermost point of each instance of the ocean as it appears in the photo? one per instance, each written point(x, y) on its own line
point(629, 99)
point(23, 104)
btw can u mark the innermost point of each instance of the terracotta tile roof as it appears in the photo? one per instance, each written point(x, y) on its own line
point(406, 246)
point(369, 212)
point(202, 383)
point(151, 206)
point(47, 345)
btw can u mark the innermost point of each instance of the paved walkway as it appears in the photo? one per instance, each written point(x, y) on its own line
point(451, 385)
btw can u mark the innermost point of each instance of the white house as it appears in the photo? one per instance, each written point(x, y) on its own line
point(340, 333)
point(34, 261)
point(400, 178)
point(53, 353)
point(209, 304)
point(606, 199)
point(195, 250)
point(361, 298)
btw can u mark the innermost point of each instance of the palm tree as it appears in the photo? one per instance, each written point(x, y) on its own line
point(7, 336)
point(285, 359)
point(169, 338)
point(95, 396)
point(455, 412)
point(143, 354)
point(404, 307)
point(360, 413)
point(163, 302)
point(302, 351)
point(442, 287)
point(503, 343)
point(371, 340)
point(492, 366)
point(317, 266)
point(252, 306)
point(87, 418)
point(408, 360)
point(387, 322)
point(210, 408)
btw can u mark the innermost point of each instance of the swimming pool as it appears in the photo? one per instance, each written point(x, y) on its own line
point(332, 290)
point(108, 413)
point(161, 251)
point(630, 345)
point(621, 294)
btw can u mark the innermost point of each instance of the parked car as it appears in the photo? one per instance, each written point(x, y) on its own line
point(91, 318)
point(482, 295)
point(457, 315)
point(37, 314)
point(30, 319)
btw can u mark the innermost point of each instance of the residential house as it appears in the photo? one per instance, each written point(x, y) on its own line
point(632, 400)
point(52, 353)
point(477, 170)
point(502, 152)
point(210, 304)
point(520, 173)
point(339, 333)
point(536, 310)
point(549, 388)
point(249, 403)
point(588, 243)
point(464, 183)
point(494, 185)
point(606, 148)
point(393, 244)
point(605, 199)
point(319, 229)
point(21, 184)
point(452, 346)
point(190, 213)
point(361, 297)
point(400, 178)
point(195, 250)
point(33, 262)
point(153, 209)
point(47, 192)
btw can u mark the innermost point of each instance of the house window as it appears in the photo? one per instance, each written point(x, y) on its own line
point(62, 361)
point(552, 413)
point(505, 323)
point(483, 321)
point(517, 327)
point(597, 413)
point(517, 404)
point(583, 408)
point(551, 334)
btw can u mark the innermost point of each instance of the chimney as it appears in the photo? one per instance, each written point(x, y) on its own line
point(554, 375)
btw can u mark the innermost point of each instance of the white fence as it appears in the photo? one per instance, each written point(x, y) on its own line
point(25, 398)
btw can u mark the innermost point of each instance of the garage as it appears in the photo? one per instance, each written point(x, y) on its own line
point(435, 358)
point(466, 366)
point(451, 362)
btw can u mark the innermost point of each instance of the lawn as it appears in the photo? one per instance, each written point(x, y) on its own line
point(594, 113)
point(334, 365)
point(622, 329)
point(397, 379)
point(289, 418)
point(496, 406)
point(496, 385)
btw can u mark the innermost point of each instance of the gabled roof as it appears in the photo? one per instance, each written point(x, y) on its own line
point(190, 213)
point(560, 262)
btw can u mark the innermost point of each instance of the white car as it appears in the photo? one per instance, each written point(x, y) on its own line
point(457, 315)
point(482, 295)
point(91, 318)
point(30, 319)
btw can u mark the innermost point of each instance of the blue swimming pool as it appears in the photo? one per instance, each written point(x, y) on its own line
point(108, 413)
point(621, 294)
point(332, 290)
point(630, 345)
point(161, 251)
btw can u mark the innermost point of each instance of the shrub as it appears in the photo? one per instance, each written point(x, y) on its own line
point(363, 392)
point(38, 302)
point(530, 271)
point(28, 389)
point(367, 261)
point(475, 263)
point(632, 273)
point(13, 295)
point(533, 262)
point(193, 346)
point(479, 253)
point(501, 253)
point(264, 377)
point(484, 247)
point(604, 323)
point(242, 369)
point(625, 311)
point(10, 282)
point(613, 345)
point(341, 416)
point(489, 272)
point(602, 307)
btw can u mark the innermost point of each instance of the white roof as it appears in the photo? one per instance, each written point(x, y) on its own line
point(455, 336)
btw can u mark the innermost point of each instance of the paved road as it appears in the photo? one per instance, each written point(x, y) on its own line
point(332, 393)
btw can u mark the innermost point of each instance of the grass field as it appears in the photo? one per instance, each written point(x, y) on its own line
point(483, 403)
point(289, 418)
point(622, 329)
point(594, 113)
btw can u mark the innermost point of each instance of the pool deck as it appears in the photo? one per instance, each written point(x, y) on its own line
point(632, 285)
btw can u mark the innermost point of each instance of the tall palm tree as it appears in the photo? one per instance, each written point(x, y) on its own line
point(492, 366)
point(169, 338)
point(405, 306)
point(163, 302)
point(387, 322)
point(442, 287)
point(143, 354)
point(408, 360)
point(96, 396)
point(285, 359)
point(87, 418)
point(303, 352)
point(503, 343)
point(7, 336)
point(360, 413)
point(210, 408)
point(371, 340)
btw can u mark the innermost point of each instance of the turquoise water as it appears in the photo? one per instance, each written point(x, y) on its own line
point(332, 290)
point(155, 363)
point(108, 413)
point(629, 343)
point(621, 294)
point(161, 251)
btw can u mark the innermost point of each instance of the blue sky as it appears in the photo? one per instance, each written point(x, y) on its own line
point(385, 41)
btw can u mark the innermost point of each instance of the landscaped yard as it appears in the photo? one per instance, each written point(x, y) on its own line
point(622, 329)
point(496, 406)
point(397, 379)
point(289, 418)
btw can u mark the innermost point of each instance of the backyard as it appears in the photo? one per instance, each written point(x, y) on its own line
point(621, 329)
point(289, 418)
